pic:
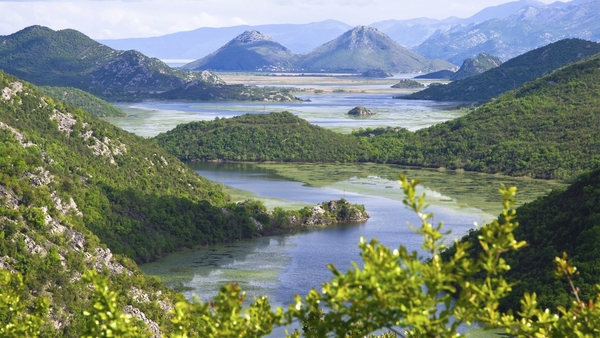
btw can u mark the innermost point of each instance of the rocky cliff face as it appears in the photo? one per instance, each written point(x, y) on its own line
point(477, 65)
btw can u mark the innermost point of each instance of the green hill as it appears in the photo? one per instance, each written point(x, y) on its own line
point(84, 100)
point(564, 221)
point(68, 58)
point(511, 74)
point(259, 137)
point(548, 129)
point(249, 51)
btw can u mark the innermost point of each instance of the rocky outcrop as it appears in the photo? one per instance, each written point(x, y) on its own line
point(408, 83)
point(137, 313)
point(360, 111)
point(327, 213)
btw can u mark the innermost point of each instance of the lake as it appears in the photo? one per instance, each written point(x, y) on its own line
point(150, 118)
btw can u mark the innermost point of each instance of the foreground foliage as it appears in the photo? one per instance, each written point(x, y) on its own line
point(562, 221)
point(410, 294)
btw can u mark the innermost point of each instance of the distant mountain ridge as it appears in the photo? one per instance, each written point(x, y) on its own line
point(69, 58)
point(409, 33)
point(200, 42)
point(364, 48)
point(357, 50)
point(527, 28)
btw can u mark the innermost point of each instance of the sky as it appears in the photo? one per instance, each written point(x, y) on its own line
point(116, 19)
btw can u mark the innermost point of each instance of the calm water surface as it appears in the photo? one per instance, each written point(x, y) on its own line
point(327, 110)
point(281, 266)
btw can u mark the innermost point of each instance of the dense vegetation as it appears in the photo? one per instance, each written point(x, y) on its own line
point(511, 74)
point(546, 129)
point(259, 137)
point(564, 221)
point(86, 101)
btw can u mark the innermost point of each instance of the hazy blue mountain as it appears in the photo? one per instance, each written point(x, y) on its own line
point(363, 48)
point(526, 29)
point(411, 33)
point(249, 51)
point(200, 42)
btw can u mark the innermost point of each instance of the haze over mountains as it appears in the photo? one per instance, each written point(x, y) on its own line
point(357, 50)
point(504, 31)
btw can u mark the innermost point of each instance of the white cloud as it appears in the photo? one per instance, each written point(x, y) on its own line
point(104, 19)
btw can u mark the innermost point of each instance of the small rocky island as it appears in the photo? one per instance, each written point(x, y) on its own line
point(360, 111)
point(377, 73)
point(408, 83)
point(326, 213)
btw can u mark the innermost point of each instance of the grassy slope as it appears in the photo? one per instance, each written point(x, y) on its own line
point(86, 101)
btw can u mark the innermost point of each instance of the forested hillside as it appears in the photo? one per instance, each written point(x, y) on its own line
point(549, 128)
point(511, 74)
point(260, 137)
point(564, 221)
point(84, 100)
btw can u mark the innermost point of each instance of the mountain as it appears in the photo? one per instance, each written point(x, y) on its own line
point(249, 51)
point(411, 33)
point(199, 43)
point(363, 48)
point(477, 65)
point(511, 74)
point(68, 58)
point(78, 194)
point(527, 28)
point(547, 128)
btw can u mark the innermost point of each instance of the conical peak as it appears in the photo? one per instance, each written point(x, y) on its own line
point(252, 36)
